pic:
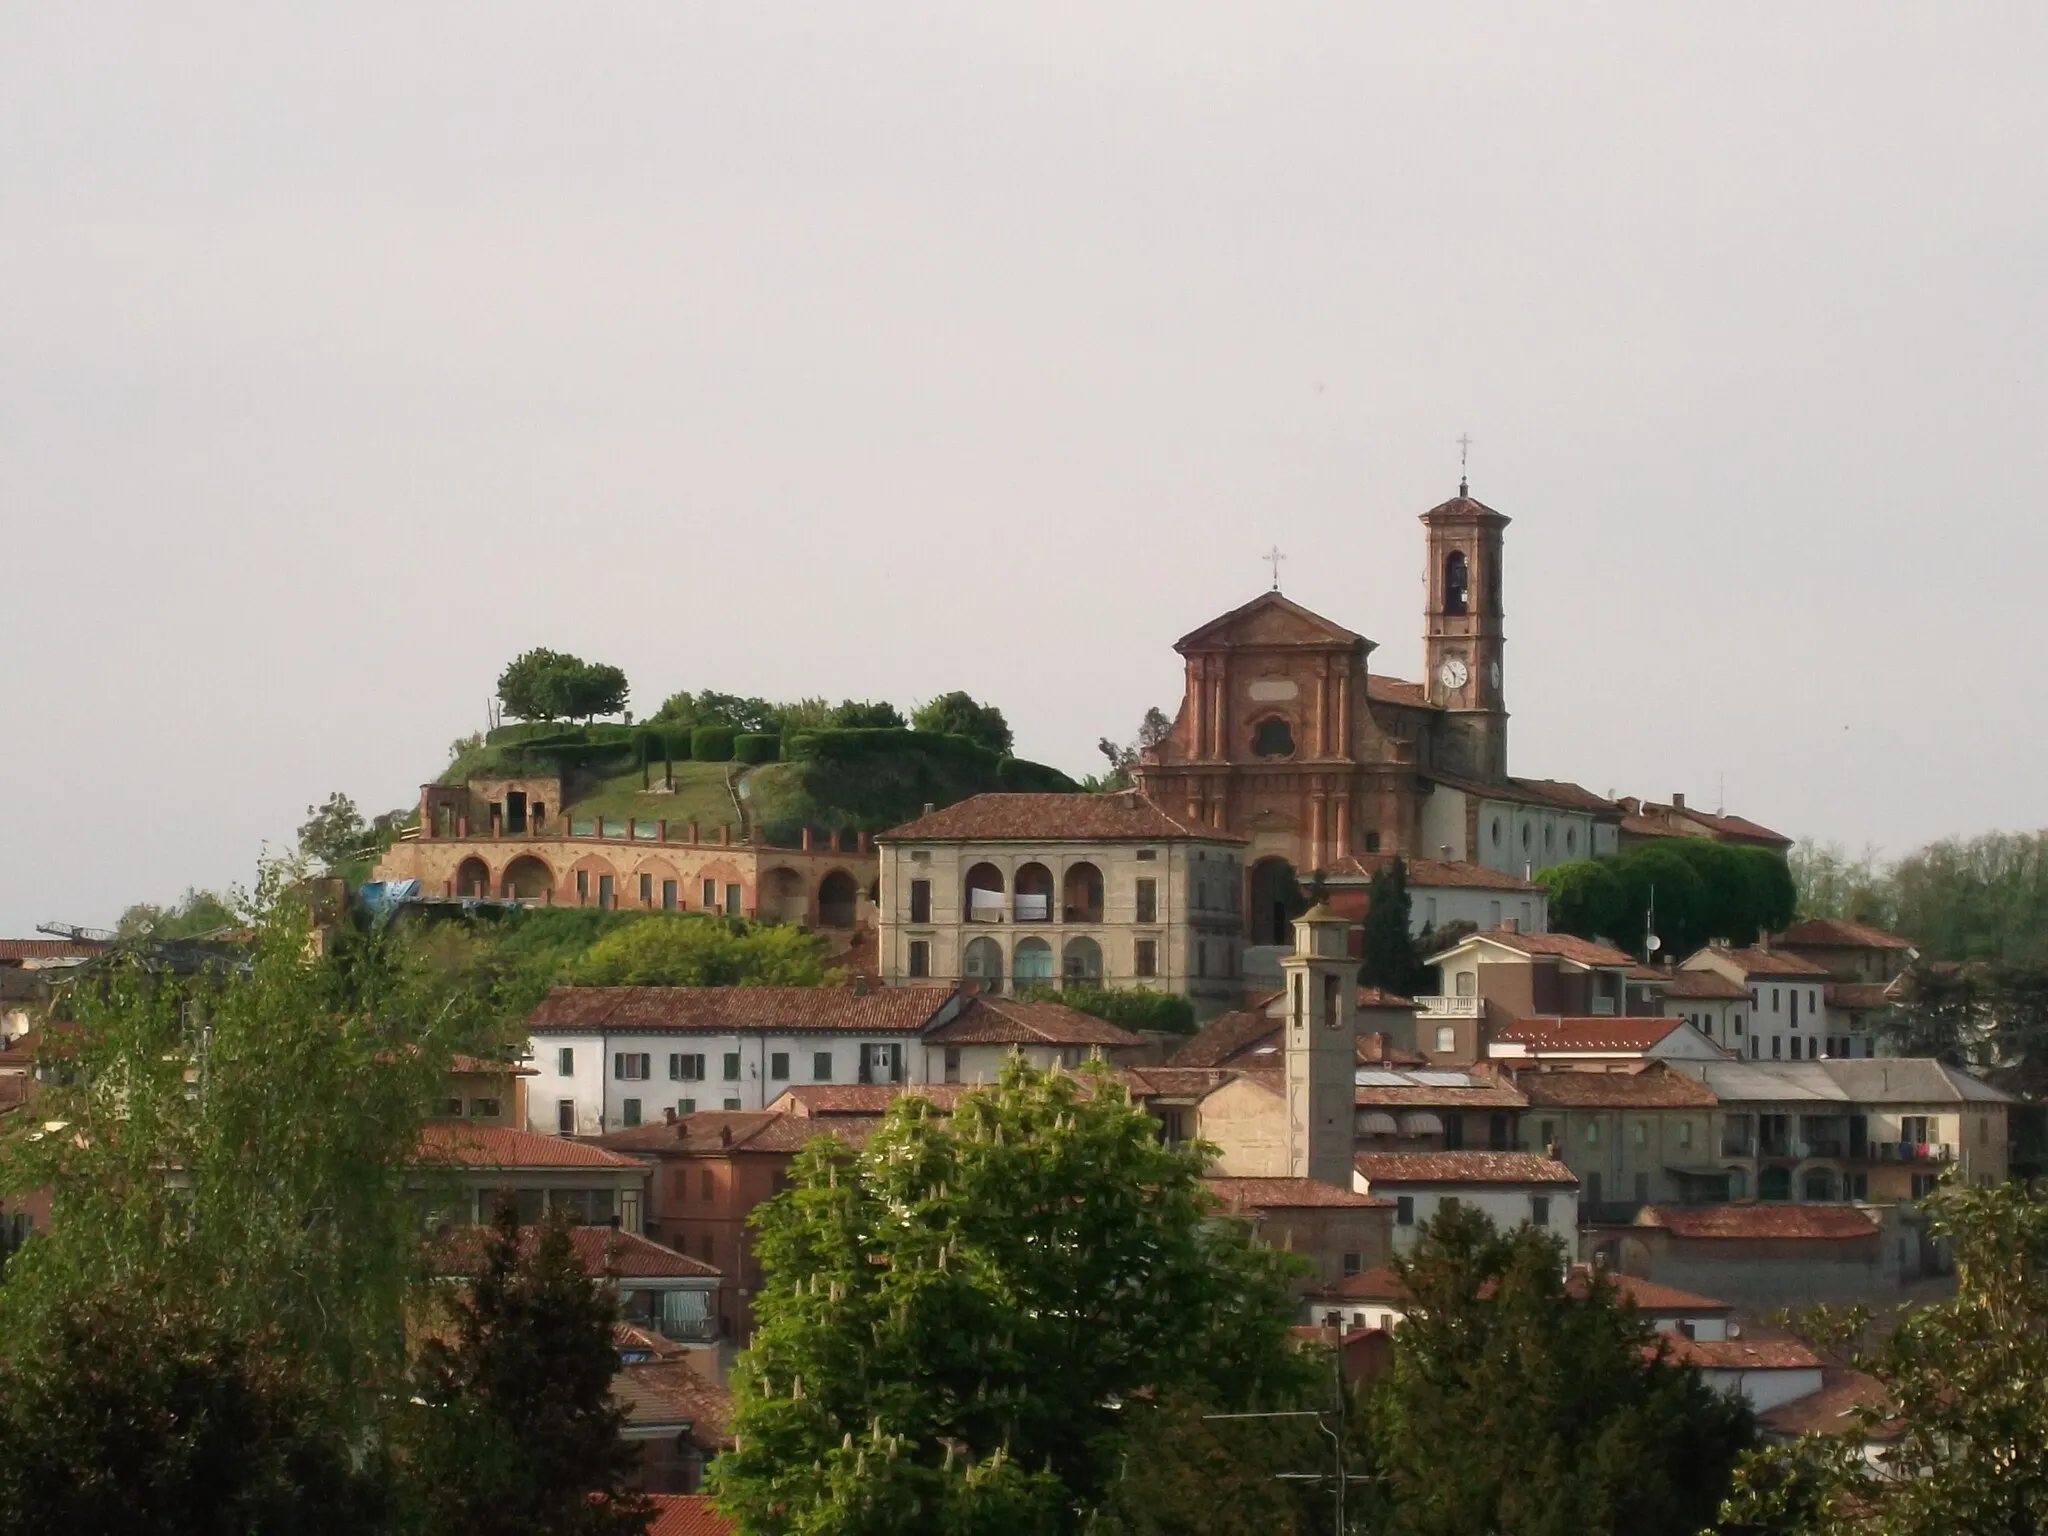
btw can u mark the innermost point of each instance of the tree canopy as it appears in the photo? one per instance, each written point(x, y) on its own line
point(551, 685)
point(1390, 957)
point(662, 950)
point(956, 714)
point(1698, 889)
point(962, 1320)
point(1126, 1007)
point(1981, 898)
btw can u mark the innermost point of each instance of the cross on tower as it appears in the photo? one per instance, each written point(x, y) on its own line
point(1464, 448)
point(1273, 557)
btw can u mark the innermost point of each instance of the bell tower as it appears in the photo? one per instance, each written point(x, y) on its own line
point(1462, 644)
point(1321, 1047)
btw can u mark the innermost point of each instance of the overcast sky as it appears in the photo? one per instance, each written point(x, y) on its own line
point(880, 350)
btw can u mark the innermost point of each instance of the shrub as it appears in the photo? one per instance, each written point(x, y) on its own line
point(757, 747)
point(678, 744)
point(1022, 775)
point(1132, 1008)
point(712, 743)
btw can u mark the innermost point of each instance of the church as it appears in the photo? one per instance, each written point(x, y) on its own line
point(1287, 738)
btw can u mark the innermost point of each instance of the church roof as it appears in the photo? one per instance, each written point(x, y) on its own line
point(1558, 794)
point(1464, 508)
point(1428, 874)
point(1270, 620)
point(1382, 689)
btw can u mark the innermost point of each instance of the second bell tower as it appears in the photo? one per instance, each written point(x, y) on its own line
point(1463, 648)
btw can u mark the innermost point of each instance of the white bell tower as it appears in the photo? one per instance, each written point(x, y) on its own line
point(1321, 1047)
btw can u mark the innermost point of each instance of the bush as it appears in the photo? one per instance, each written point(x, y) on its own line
point(678, 744)
point(712, 743)
point(757, 747)
point(1023, 776)
point(525, 731)
point(1132, 1008)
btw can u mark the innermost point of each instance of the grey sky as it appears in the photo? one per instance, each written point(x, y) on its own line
point(880, 350)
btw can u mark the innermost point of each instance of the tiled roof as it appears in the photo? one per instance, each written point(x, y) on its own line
point(501, 1146)
point(1382, 689)
point(1704, 986)
point(687, 1514)
point(1290, 1194)
point(1383, 1285)
point(1308, 627)
point(602, 1251)
point(1739, 1222)
point(1554, 794)
point(1832, 1410)
point(632, 1337)
point(1655, 1087)
point(1775, 962)
point(1839, 933)
point(1648, 818)
point(1463, 1168)
point(672, 1391)
point(489, 1064)
point(1436, 874)
point(20, 951)
point(1597, 1033)
point(1740, 1354)
point(1855, 996)
point(834, 1099)
point(998, 1021)
point(1909, 1080)
point(720, 1010)
point(1177, 1082)
point(1124, 816)
point(1425, 1088)
point(1564, 946)
point(1224, 1038)
point(714, 1132)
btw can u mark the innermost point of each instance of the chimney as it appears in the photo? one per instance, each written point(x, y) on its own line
point(929, 807)
point(1677, 801)
point(725, 1135)
point(860, 983)
point(668, 1115)
point(1763, 942)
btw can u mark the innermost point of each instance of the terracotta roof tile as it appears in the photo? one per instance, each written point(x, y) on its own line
point(1124, 816)
point(1858, 995)
point(602, 1251)
point(1775, 962)
point(1224, 1038)
point(1462, 1168)
point(721, 1010)
point(1739, 1222)
point(1483, 1089)
point(1564, 946)
point(1383, 1285)
point(1832, 1410)
point(488, 1064)
point(1740, 1354)
point(1655, 1087)
point(1648, 818)
point(501, 1146)
point(673, 1391)
point(999, 1021)
point(1556, 794)
point(834, 1099)
point(713, 1133)
point(20, 951)
point(1287, 1194)
point(1618, 1033)
point(688, 1514)
point(1177, 1082)
point(1839, 933)
point(1436, 874)
point(1704, 986)
point(1382, 689)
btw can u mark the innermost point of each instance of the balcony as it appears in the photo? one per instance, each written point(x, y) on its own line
point(1451, 1007)
point(1912, 1152)
point(1738, 1146)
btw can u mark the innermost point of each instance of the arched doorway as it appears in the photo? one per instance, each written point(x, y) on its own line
point(1081, 898)
point(782, 896)
point(1276, 902)
point(1032, 901)
point(527, 879)
point(981, 901)
point(1033, 962)
point(1082, 959)
point(472, 878)
point(983, 961)
point(837, 898)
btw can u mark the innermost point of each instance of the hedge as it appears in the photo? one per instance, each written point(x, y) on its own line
point(712, 743)
point(757, 747)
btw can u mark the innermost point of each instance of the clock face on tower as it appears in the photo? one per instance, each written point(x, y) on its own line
point(1452, 673)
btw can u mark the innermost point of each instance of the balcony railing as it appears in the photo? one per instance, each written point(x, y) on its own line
point(1450, 1007)
point(1912, 1152)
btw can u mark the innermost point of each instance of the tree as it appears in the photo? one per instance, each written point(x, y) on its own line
point(516, 1432)
point(1152, 730)
point(1961, 1383)
point(982, 1306)
point(1829, 883)
point(665, 951)
point(955, 714)
point(1520, 1403)
point(749, 715)
point(550, 685)
point(193, 914)
point(1390, 957)
point(1585, 897)
point(1126, 1007)
point(333, 833)
point(593, 689)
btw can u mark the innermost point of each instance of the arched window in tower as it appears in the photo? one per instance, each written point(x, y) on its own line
point(1457, 582)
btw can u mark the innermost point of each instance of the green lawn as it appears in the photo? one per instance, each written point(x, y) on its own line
point(700, 794)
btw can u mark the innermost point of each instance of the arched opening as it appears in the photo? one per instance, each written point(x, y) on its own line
point(1276, 902)
point(1031, 896)
point(982, 900)
point(472, 878)
point(1774, 1184)
point(1081, 900)
point(1033, 961)
point(1082, 959)
point(1457, 582)
point(1272, 737)
point(782, 896)
point(983, 961)
point(528, 879)
point(837, 897)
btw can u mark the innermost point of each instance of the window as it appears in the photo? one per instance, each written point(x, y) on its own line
point(565, 1062)
point(1446, 1038)
point(582, 887)
point(686, 1106)
point(1429, 912)
point(1777, 1047)
point(1548, 1133)
point(710, 895)
point(1148, 900)
point(607, 896)
point(707, 1187)
point(1147, 957)
point(1756, 1044)
point(1592, 1133)
point(1738, 1024)
point(1148, 855)
point(632, 1111)
point(1457, 582)
point(1775, 1008)
point(710, 1247)
point(1372, 842)
point(1642, 1189)
point(1454, 1132)
point(731, 1072)
point(1811, 1005)
point(952, 1063)
point(732, 901)
point(778, 1066)
point(451, 1106)
point(483, 1109)
point(730, 1104)
point(1923, 1185)
point(1201, 957)
point(630, 1066)
point(1640, 1133)
point(1795, 1007)
point(565, 1116)
point(1685, 1133)
point(920, 958)
point(1914, 1128)
point(1496, 831)
point(1528, 836)
point(821, 1067)
point(1571, 839)
point(668, 896)
point(920, 901)
point(1539, 1210)
point(686, 1068)
point(647, 890)
point(1493, 914)
point(1448, 1203)
point(1404, 1210)
point(1272, 738)
point(1352, 1263)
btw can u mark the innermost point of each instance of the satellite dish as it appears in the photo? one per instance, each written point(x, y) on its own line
point(1655, 944)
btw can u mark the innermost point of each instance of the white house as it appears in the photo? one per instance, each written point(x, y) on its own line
point(1374, 1298)
point(1509, 1187)
point(1715, 1005)
point(1517, 826)
point(1441, 892)
point(1788, 1018)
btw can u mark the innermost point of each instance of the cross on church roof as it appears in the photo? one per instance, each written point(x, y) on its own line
point(1464, 448)
point(1273, 557)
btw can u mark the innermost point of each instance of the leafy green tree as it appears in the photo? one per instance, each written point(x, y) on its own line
point(515, 1431)
point(1585, 897)
point(1126, 1007)
point(751, 715)
point(665, 951)
point(1519, 1403)
point(593, 689)
point(1962, 1382)
point(1186, 1476)
point(1390, 958)
point(193, 914)
point(1152, 730)
point(1981, 899)
point(1829, 882)
point(989, 1301)
point(551, 685)
point(868, 715)
point(333, 833)
point(136, 1410)
point(956, 714)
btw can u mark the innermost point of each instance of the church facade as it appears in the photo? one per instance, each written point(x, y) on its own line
point(1288, 738)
